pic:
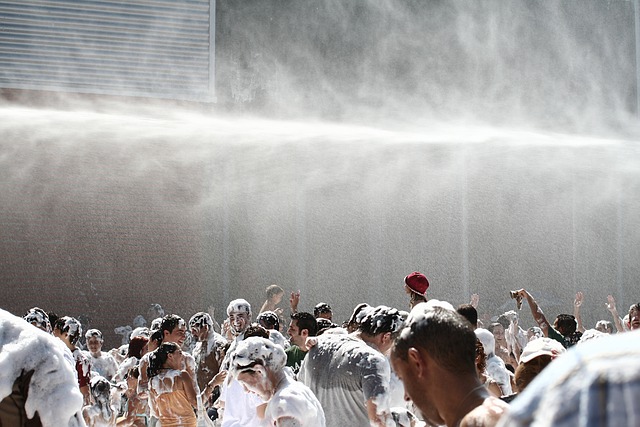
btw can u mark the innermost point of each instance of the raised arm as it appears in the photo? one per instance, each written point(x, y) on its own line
point(577, 303)
point(611, 306)
point(536, 312)
point(294, 300)
point(475, 299)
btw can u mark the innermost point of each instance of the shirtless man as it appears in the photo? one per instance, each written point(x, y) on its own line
point(208, 349)
point(434, 356)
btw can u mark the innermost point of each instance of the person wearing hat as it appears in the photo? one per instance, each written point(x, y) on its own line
point(534, 358)
point(416, 285)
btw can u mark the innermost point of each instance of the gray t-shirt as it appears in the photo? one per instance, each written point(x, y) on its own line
point(344, 372)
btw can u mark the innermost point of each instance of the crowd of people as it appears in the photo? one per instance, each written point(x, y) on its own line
point(428, 363)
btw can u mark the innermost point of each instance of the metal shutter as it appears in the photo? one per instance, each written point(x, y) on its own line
point(160, 48)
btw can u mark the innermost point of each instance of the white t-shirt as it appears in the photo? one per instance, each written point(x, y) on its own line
point(296, 400)
point(104, 365)
point(239, 406)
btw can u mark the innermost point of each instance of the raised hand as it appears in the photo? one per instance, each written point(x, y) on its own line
point(475, 299)
point(294, 300)
point(611, 303)
point(579, 299)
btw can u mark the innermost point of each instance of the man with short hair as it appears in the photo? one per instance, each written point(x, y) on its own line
point(208, 350)
point(303, 325)
point(323, 310)
point(239, 406)
point(564, 327)
point(434, 356)
point(174, 329)
point(38, 318)
point(349, 373)
point(69, 330)
point(103, 364)
point(470, 313)
point(238, 318)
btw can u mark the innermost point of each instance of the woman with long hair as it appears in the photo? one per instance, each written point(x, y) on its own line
point(171, 389)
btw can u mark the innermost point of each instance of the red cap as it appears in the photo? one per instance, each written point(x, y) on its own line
point(417, 282)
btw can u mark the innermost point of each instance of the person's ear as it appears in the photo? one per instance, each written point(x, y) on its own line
point(417, 362)
point(304, 333)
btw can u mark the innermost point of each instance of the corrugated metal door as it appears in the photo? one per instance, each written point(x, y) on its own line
point(159, 48)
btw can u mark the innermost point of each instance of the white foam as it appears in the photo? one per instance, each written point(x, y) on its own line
point(53, 390)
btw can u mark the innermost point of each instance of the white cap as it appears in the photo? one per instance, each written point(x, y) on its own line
point(541, 347)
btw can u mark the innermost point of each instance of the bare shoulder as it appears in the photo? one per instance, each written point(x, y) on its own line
point(486, 415)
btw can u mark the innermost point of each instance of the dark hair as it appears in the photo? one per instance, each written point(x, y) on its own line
point(169, 322)
point(306, 321)
point(503, 319)
point(255, 330)
point(133, 372)
point(444, 334)
point(380, 320)
point(269, 320)
point(320, 308)
point(470, 313)
point(352, 323)
point(39, 317)
point(493, 326)
point(200, 319)
point(159, 357)
point(71, 326)
point(136, 345)
point(94, 333)
point(53, 318)
point(566, 324)
point(157, 337)
point(325, 323)
point(273, 290)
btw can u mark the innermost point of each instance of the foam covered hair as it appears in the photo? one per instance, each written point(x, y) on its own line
point(488, 341)
point(93, 333)
point(380, 319)
point(257, 351)
point(200, 319)
point(39, 317)
point(239, 305)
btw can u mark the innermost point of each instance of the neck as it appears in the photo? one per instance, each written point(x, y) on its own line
point(276, 381)
point(469, 393)
point(372, 340)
